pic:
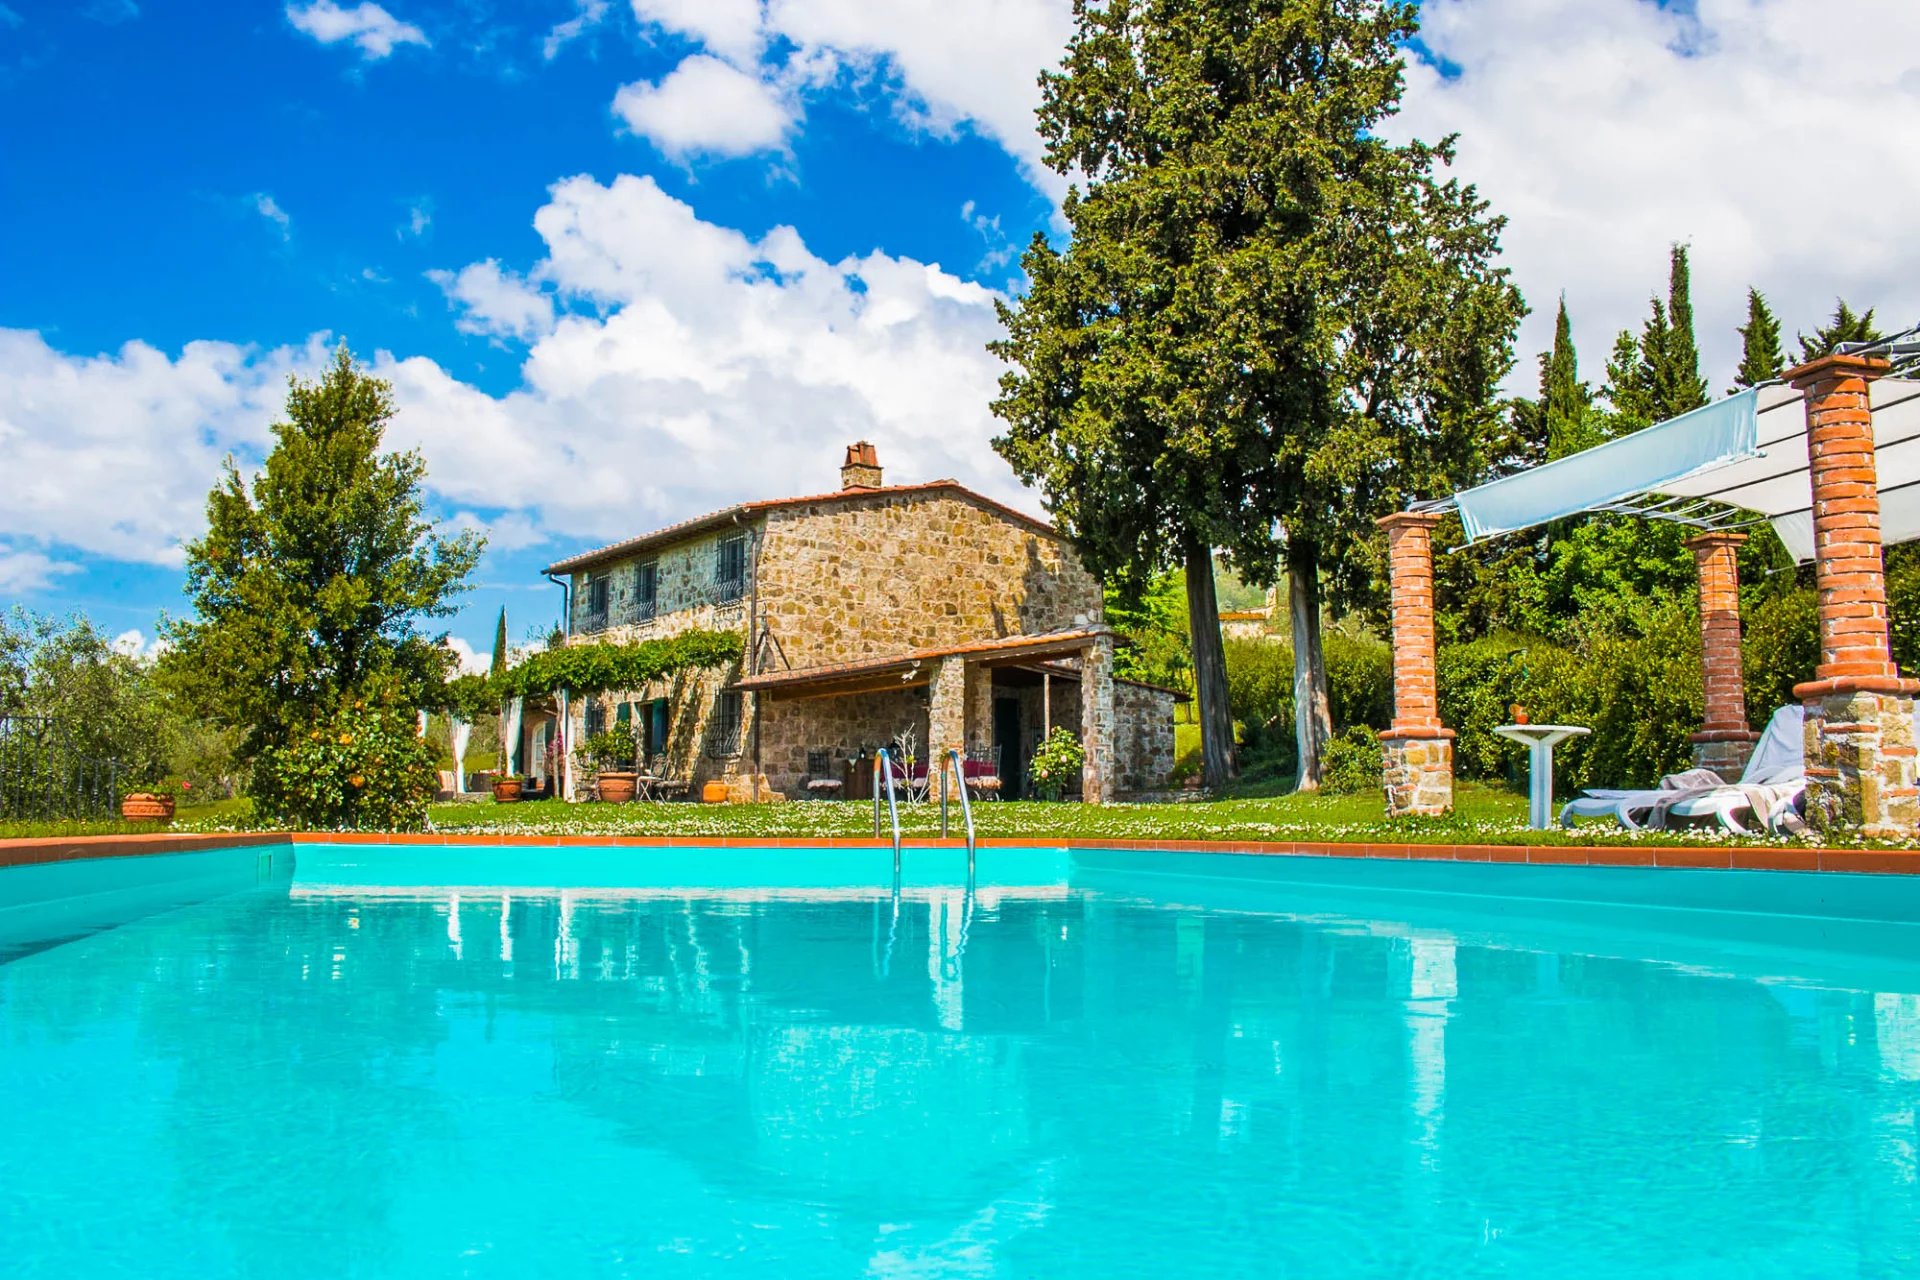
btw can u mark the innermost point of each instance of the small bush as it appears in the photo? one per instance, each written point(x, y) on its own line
point(1780, 649)
point(1354, 763)
point(1056, 762)
point(364, 768)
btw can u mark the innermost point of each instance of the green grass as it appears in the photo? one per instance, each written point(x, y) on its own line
point(1483, 814)
point(221, 813)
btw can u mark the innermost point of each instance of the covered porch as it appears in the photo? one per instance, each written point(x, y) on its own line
point(993, 700)
point(1829, 457)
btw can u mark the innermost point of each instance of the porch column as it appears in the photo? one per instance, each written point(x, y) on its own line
point(1096, 720)
point(1724, 741)
point(1418, 749)
point(979, 709)
point(1859, 729)
point(946, 713)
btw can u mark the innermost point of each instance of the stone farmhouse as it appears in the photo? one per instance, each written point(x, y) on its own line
point(871, 614)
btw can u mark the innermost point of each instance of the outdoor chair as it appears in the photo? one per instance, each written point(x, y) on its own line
point(981, 769)
point(821, 782)
point(1770, 788)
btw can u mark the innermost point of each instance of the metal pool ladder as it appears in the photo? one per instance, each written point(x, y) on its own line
point(958, 771)
point(883, 778)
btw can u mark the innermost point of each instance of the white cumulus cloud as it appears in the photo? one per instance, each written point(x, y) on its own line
point(269, 208)
point(494, 301)
point(374, 31)
point(114, 453)
point(731, 28)
point(706, 106)
point(1608, 129)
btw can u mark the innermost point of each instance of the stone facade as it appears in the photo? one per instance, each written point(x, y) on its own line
point(1860, 763)
point(867, 574)
point(888, 572)
point(1418, 774)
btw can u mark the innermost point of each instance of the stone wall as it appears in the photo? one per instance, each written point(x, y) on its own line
point(881, 575)
point(791, 727)
point(1143, 736)
point(1860, 764)
point(685, 594)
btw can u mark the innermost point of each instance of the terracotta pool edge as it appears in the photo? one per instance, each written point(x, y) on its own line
point(25, 852)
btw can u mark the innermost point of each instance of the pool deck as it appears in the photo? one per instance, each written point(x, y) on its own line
point(1693, 857)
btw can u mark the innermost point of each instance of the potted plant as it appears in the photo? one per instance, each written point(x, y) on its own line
point(152, 801)
point(1056, 762)
point(506, 790)
point(609, 755)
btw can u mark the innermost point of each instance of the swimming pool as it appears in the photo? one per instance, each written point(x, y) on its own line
point(530, 1062)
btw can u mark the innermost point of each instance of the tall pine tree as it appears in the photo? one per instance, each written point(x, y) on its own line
point(1268, 313)
point(499, 663)
point(1675, 366)
point(1761, 359)
point(1844, 326)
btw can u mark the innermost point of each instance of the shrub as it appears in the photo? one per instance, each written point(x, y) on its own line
point(1354, 763)
point(1478, 683)
point(1780, 649)
point(612, 748)
point(1056, 762)
point(364, 768)
point(1359, 682)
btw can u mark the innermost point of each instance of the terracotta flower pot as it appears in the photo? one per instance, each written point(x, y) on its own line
point(1519, 713)
point(144, 806)
point(615, 788)
point(506, 791)
point(714, 793)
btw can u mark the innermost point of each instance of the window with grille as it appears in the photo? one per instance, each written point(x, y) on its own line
point(724, 740)
point(646, 590)
point(596, 718)
point(597, 596)
point(730, 569)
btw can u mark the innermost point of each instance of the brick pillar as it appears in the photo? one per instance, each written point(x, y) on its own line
point(1418, 749)
point(1859, 729)
point(1724, 742)
point(1097, 721)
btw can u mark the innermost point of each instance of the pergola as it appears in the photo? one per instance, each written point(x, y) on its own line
point(1830, 457)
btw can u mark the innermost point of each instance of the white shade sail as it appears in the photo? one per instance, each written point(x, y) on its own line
point(1747, 452)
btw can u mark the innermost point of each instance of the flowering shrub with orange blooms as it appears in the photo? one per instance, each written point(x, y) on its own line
point(365, 768)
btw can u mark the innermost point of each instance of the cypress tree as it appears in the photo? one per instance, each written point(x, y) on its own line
point(1678, 386)
point(1564, 400)
point(1761, 359)
point(1627, 391)
point(499, 663)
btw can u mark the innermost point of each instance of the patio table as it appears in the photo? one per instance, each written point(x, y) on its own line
point(1540, 740)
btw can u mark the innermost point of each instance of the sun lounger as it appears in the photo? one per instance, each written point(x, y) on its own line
point(1773, 780)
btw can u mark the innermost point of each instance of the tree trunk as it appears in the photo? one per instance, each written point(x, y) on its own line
point(1209, 670)
point(1312, 710)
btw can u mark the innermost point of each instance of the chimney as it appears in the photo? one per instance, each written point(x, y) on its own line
point(861, 470)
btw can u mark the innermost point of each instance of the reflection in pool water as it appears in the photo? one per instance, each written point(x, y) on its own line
point(510, 1083)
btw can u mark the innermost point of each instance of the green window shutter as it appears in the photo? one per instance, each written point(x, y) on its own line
point(623, 714)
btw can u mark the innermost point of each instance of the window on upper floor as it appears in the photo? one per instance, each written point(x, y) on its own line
point(646, 590)
point(599, 591)
point(730, 569)
point(723, 739)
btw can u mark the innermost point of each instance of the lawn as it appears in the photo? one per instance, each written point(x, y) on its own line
point(1485, 814)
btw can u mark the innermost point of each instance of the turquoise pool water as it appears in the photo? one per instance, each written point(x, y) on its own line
point(477, 1063)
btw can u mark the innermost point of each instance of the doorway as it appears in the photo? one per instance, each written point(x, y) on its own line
point(1006, 747)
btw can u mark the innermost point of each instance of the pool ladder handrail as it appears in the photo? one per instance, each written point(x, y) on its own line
point(883, 777)
point(958, 771)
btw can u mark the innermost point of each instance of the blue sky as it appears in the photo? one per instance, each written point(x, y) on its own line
point(627, 260)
